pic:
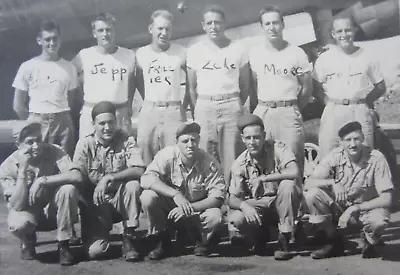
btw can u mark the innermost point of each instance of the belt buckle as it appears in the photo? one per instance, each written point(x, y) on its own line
point(218, 98)
point(273, 104)
point(162, 104)
point(346, 102)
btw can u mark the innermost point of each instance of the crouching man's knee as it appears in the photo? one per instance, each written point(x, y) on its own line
point(212, 217)
point(21, 223)
point(148, 198)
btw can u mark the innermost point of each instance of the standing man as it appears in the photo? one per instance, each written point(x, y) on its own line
point(349, 88)
point(39, 188)
point(159, 72)
point(110, 163)
point(353, 181)
point(45, 87)
point(218, 76)
point(264, 183)
point(107, 72)
point(281, 74)
point(183, 184)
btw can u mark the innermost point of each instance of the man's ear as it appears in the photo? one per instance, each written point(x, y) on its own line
point(38, 40)
point(150, 28)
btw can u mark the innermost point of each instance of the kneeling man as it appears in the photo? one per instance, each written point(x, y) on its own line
point(354, 182)
point(39, 188)
point(110, 162)
point(183, 183)
point(264, 182)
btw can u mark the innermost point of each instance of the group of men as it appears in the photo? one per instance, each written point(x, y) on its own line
point(182, 173)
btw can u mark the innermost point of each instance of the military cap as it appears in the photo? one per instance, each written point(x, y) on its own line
point(186, 128)
point(348, 128)
point(249, 119)
point(23, 128)
point(103, 107)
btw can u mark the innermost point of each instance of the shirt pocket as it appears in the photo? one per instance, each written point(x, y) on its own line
point(119, 162)
point(95, 170)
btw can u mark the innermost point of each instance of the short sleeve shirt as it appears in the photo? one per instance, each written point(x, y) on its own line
point(346, 76)
point(47, 84)
point(217, 69)
point(53, 161)
point(105, 76)
point(205, 179)
point(245, 168)
point(162, 72)
point(94, 160)
point(361, 183)
point(277, 71)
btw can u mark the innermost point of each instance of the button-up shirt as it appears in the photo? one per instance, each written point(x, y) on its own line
point(52, 161)
point(94, 160)
point(246, 169)
point(362, 183)
point(204, 179)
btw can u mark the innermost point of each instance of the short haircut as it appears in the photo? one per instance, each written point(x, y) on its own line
point(161, 13)
point(104, 17)
point(49, 26)
point(345, 17)
point(216, 9)
point(271, 8)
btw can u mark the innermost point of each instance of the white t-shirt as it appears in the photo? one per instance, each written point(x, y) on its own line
point(105, 76)
point(346, 76)
point(47, 84)
point(162, 72)
point(217, 69)
point(277, 71)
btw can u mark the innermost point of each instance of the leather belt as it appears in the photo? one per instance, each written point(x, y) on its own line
point(220, 97)
point(164, 103)
point(50, 115)
point(117, 105)
point(347, 101)
point(279, 103)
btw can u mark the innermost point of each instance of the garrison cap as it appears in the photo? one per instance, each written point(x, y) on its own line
point(103, 107)
point(186, 128)
point(348, 128)
point(249, 119)
point(23, 128)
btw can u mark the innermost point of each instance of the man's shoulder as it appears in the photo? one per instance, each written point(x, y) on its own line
point(9, 162)
point(376, 155)
point(124, 50)
point(240, 161)
point(168, 152)
point(30, 63)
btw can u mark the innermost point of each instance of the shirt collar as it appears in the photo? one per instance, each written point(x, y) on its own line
point(196, 164)
point(366, 153)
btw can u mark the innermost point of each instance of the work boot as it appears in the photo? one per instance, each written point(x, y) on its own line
point(299, 237)
point(66, 257)
point(368, 250)
point(163, 245)
point(334, 248)
point(201, 249)
point(129, 251)
point(262, 238)
point(28, 251)
point(237, 239)
point(283, 253)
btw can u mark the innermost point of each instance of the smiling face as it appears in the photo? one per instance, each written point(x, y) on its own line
point(353, 143)
point(214, 25)
point(105, 126)
point(343, 31)
point(49, 41)
point(188, 145)
point(104, 33)
point(272, 25)
point(161, 30)
point(33, 144)
point(253, 137)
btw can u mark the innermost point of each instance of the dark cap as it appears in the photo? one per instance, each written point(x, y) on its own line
point(23, 128)
point(102, 108)
point(348, 128)
point(249, 119)
point(186, 128)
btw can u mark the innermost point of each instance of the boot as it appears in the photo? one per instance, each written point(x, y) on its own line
point(368, 250)
point(263, 236)
point(129, 251)
point(163, 245)
point(334, 248)
point(283, 253)
point(28, 251)
point(66, 257)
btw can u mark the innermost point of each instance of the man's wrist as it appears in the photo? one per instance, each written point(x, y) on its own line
point(176, 194)
point(243, 204)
